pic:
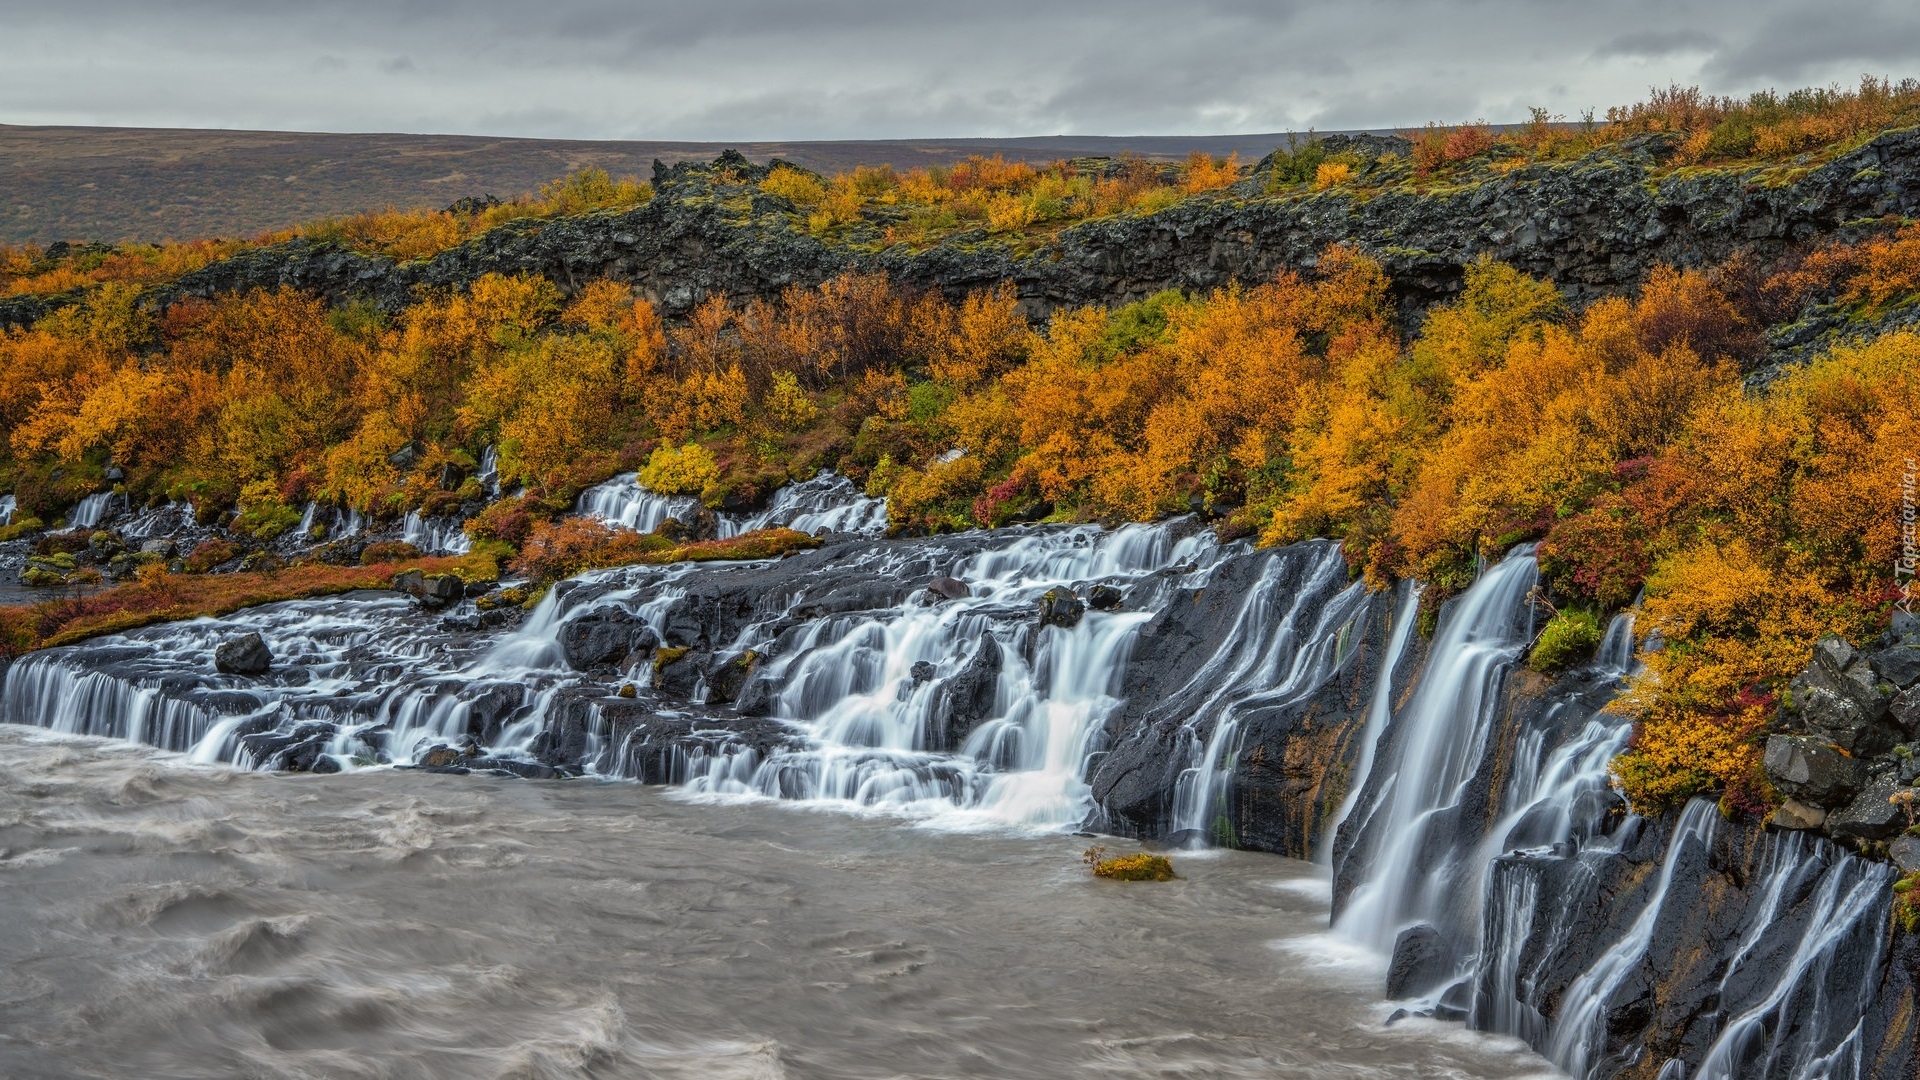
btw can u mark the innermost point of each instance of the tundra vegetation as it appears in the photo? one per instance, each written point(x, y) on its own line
point(1620, 437)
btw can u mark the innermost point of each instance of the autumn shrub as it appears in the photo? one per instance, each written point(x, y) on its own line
point(381, 552)
point(803, 188)
point(208, 554)
point(508, 521)
point(1571, 635)
point(1331, 174)
point(687, 470)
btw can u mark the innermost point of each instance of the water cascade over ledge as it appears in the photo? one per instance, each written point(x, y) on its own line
point(1146, 679)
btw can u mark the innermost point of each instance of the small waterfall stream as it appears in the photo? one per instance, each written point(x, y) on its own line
point(96, 510)
point(7, 507)
point(826, 501)
point(1434, 747)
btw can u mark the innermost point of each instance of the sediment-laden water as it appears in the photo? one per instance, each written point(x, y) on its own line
point(168, 919)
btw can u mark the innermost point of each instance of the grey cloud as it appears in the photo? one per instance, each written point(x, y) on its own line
point(781, 69)
point(1654, 44)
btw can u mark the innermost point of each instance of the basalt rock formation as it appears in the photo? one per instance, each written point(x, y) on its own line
point(1593, 226)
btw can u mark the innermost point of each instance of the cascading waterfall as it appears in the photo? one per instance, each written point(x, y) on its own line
point(861, 689)
point(1578, 1030)
point(1436, 745)
point(622, 501)
point(340, 523)
point(1379, 711)
point(436, 535)
point(95, 510)
point(489, 474)
point(970, 710)
point(1270, 660)
point(7, 507)
point(826, 501)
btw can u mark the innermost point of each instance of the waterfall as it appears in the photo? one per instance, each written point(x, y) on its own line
point(1578, 1029)
point(95, 510)
point(622, 501)
point(7, 506)
point(436, 535)
point(1807, 1022)
point(1379, 711)
point(489, 474)
point(875, 694)
point(825, 501)
point(1433, 748)
point(1270, 660)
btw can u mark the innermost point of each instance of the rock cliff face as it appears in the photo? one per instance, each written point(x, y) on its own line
point(1593, 226)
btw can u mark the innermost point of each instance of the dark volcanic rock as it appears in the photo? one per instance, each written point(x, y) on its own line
point(946, 588)
point(1059, 607)
point(1871, 815)
point(1422, 962)
point(727, 678)
point(677, 673)
point(967, 698)
point(1812, 771)
point(1841, 698)
point(1898, 665)
point(607, 636)
point(244, 655)
point(1105, 598)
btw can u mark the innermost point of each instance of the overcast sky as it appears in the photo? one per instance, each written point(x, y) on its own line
point(786, 69)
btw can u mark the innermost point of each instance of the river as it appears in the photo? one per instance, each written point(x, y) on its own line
point(169, 919)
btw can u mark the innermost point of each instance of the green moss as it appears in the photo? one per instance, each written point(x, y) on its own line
point(666, 657)
point(1571, 635)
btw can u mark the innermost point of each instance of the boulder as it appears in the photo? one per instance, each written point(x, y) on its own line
point(922, 671)
point(1105, 598)
point(162, 547)
point(405, 458)
point(1796, 815)
point(757, 698)
point(1059, 607)
point(1872, 815)
point(1422, 962)
point(726, 679)
point(676, 672)
point(439, 590)
point(1899, 665)
point(704, 526)
point(1905, 853)
point(946, 588)
point(603, 637)
point(244, 655)
point(967, 698)
point(1811, 770)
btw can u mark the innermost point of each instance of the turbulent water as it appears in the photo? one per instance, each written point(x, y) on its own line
point(173, 920)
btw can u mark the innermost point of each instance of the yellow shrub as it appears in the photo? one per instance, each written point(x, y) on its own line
point(1331, 174)
point(686, 471)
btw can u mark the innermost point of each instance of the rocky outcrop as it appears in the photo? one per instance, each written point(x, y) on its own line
point(1848, 756)
point(1594, 226)
point(244, 655)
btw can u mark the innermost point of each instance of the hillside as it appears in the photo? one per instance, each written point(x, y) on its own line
point(143, 184)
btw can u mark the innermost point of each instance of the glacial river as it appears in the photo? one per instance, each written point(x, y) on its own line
point(164, 919)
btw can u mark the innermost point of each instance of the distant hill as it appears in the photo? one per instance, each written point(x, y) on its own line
point(113, 184)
